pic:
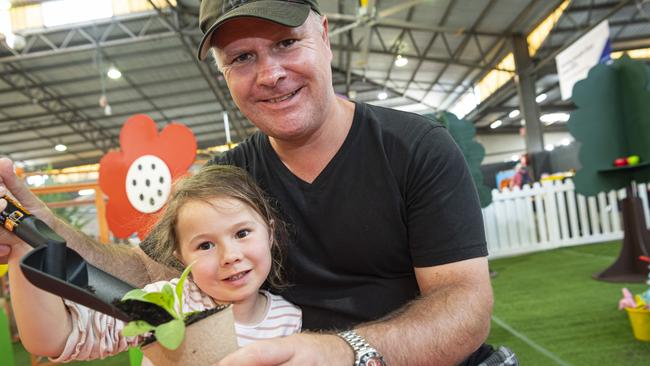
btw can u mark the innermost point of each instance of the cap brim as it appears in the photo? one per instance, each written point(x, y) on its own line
point(286, 13)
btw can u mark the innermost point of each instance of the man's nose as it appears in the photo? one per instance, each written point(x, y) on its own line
point(270, 72)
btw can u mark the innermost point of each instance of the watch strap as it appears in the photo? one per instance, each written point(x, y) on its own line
point(364, 353)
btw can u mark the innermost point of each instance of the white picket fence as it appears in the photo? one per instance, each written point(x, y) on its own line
point(553, 215)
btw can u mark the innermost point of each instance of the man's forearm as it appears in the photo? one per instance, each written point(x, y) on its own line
point(127, 263)
point(443, 327)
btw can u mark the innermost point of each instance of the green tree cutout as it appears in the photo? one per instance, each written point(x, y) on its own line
point(463, 132)
point(612, 120)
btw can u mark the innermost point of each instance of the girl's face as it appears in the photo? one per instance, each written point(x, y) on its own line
point(231, 245)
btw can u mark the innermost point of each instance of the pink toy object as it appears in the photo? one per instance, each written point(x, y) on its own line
point(627, 301)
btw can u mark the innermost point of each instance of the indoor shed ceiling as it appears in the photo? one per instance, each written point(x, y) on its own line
point(50, 88)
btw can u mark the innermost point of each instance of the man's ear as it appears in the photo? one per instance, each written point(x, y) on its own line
point(326, 31)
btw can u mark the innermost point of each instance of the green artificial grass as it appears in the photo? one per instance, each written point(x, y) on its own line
point(551, 300)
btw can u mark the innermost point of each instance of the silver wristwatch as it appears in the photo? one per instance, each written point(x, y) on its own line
point(364, 353)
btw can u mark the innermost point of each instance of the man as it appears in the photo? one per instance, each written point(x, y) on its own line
point(388, 238)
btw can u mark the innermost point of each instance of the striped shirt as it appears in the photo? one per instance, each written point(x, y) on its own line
point(96, 335)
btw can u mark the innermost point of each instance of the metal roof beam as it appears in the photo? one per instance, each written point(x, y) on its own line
point(46, 42)
point(342, 20)
point(103, 117)
point(57, 107)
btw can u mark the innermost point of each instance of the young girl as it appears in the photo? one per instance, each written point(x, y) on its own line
point(217, 219)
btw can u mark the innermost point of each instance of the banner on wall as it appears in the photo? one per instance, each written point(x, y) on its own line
point(574, 63)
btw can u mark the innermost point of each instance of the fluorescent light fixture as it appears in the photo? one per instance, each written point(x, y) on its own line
point(551, 118)
point(417, 107)
point(566, 141)
point(382, 95)
point(60, 147)
point(496, 124)
point(549, 147)
point(401, 61)
point(114, 73)
point(540, 98)
point(514, 113)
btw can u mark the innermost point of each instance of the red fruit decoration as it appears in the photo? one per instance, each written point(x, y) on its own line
point(138, 178)
point(620, 162)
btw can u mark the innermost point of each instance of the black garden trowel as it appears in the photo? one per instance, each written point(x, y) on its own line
point(57, 269)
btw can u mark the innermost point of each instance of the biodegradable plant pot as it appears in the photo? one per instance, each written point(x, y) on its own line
point(206, 342)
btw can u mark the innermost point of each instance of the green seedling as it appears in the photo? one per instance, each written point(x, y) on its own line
point(170, 335)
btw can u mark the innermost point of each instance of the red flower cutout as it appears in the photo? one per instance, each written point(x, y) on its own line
point(138, 178)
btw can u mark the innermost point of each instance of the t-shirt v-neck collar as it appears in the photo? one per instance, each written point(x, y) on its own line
point(325, 174)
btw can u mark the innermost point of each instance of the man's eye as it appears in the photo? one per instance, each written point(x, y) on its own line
point(241, 58)
point(287, 42)
point(206, 245)
point(242, 234)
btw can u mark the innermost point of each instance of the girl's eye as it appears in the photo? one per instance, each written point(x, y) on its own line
point(287, 42)
point(242, 234)
point(206, 245)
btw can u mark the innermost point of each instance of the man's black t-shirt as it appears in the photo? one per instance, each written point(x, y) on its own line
point(397, 195)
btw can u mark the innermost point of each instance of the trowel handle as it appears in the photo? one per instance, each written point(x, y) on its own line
point(36, 233)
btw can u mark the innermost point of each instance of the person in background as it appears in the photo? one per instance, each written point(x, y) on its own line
point(522, 174)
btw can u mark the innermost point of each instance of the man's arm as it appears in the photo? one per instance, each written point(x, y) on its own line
point(129, 264)
point(443, 327)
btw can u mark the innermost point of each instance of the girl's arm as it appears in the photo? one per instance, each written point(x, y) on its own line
point(43, 322)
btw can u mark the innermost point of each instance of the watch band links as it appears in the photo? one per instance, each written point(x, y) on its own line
point(364, 353)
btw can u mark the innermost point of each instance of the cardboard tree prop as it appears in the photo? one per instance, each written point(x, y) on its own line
point(612, 122)
point(463, 132)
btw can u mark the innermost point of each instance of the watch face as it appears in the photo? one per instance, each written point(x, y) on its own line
point(372, 359)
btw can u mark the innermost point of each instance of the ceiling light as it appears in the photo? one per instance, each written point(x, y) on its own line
point(496, 124)
point(566, 141)
point(114, 73)
point(514, 157)
point(382, 95)
point(514, 113)
point(401, 61)
point(551, 118)
point(540, 98)
point(549, 147)
point(60, 147)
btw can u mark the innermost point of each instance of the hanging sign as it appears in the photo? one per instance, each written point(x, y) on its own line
point(574, 63)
